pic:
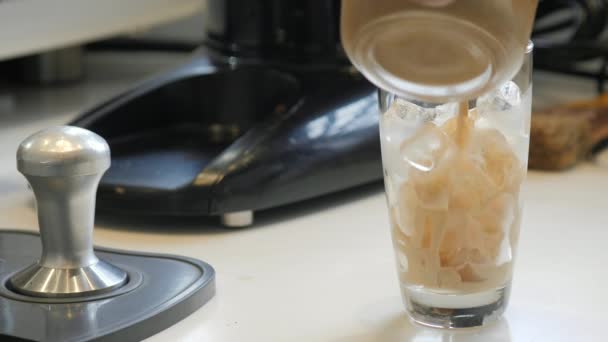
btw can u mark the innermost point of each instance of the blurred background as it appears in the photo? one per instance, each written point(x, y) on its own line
point(185, 88)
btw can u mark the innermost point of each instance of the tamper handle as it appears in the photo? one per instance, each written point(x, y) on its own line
point(66, 208)
point(63, 166)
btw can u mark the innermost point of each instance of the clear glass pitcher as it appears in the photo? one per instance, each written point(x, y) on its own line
point(437, 50)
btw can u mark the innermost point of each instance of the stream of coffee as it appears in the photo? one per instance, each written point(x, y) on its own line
point(463, 127)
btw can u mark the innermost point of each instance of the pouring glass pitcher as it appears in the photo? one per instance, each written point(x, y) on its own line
point(437, 50)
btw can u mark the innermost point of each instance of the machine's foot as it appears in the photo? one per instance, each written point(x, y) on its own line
point(238, 219)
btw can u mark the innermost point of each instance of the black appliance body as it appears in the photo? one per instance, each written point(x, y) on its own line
point(268, 112)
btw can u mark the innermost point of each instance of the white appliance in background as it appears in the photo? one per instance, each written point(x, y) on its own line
point(33, 26)
point(189, 30)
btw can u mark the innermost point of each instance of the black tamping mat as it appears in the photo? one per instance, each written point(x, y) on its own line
point(161, 290)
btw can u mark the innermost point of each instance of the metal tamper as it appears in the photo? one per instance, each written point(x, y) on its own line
point(70, 294)
point(63, 165)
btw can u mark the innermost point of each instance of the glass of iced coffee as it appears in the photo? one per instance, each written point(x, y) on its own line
point(453, 176)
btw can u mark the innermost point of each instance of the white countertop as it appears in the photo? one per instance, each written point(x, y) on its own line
point(323, 270)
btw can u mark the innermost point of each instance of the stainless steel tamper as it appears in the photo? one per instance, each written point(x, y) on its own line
point(63, 166)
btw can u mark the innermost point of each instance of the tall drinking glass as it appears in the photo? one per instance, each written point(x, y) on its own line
point(453, 175)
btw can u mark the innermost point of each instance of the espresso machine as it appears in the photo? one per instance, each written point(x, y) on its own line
point(267, 112)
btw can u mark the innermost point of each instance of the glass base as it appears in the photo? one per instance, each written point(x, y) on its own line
point(452, 310)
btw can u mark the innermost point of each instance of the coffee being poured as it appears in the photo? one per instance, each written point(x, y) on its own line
point(455, 102)
point(437, 50)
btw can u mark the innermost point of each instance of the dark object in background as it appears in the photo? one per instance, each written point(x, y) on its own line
point(296, 32)
point(268, 113)
point(569, 37)
point(63, 65)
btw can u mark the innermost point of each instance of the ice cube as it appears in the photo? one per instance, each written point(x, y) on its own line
point(500, 162)
point(470, 274)
point(504, 253)
point(491, 274)
point(393, 131)
point(452, 239)
point(509, 94)
point(514, 230)
point(448, 278)
point(445, 112)
point(406, 209)
point(474, 241)
point(401, 240)
point(425, 149)
point(504, 109)
point(402, 262)
point(393, 216)
point(502, 99)
point(391, 187)
point(498, 215)
point(519, 138)
point(496, 221)
point(417, 114)
point(432, 189)
point(423, 267)
point(428, 225)
point(462, 241)
point(411, 112)
point(470, 186)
